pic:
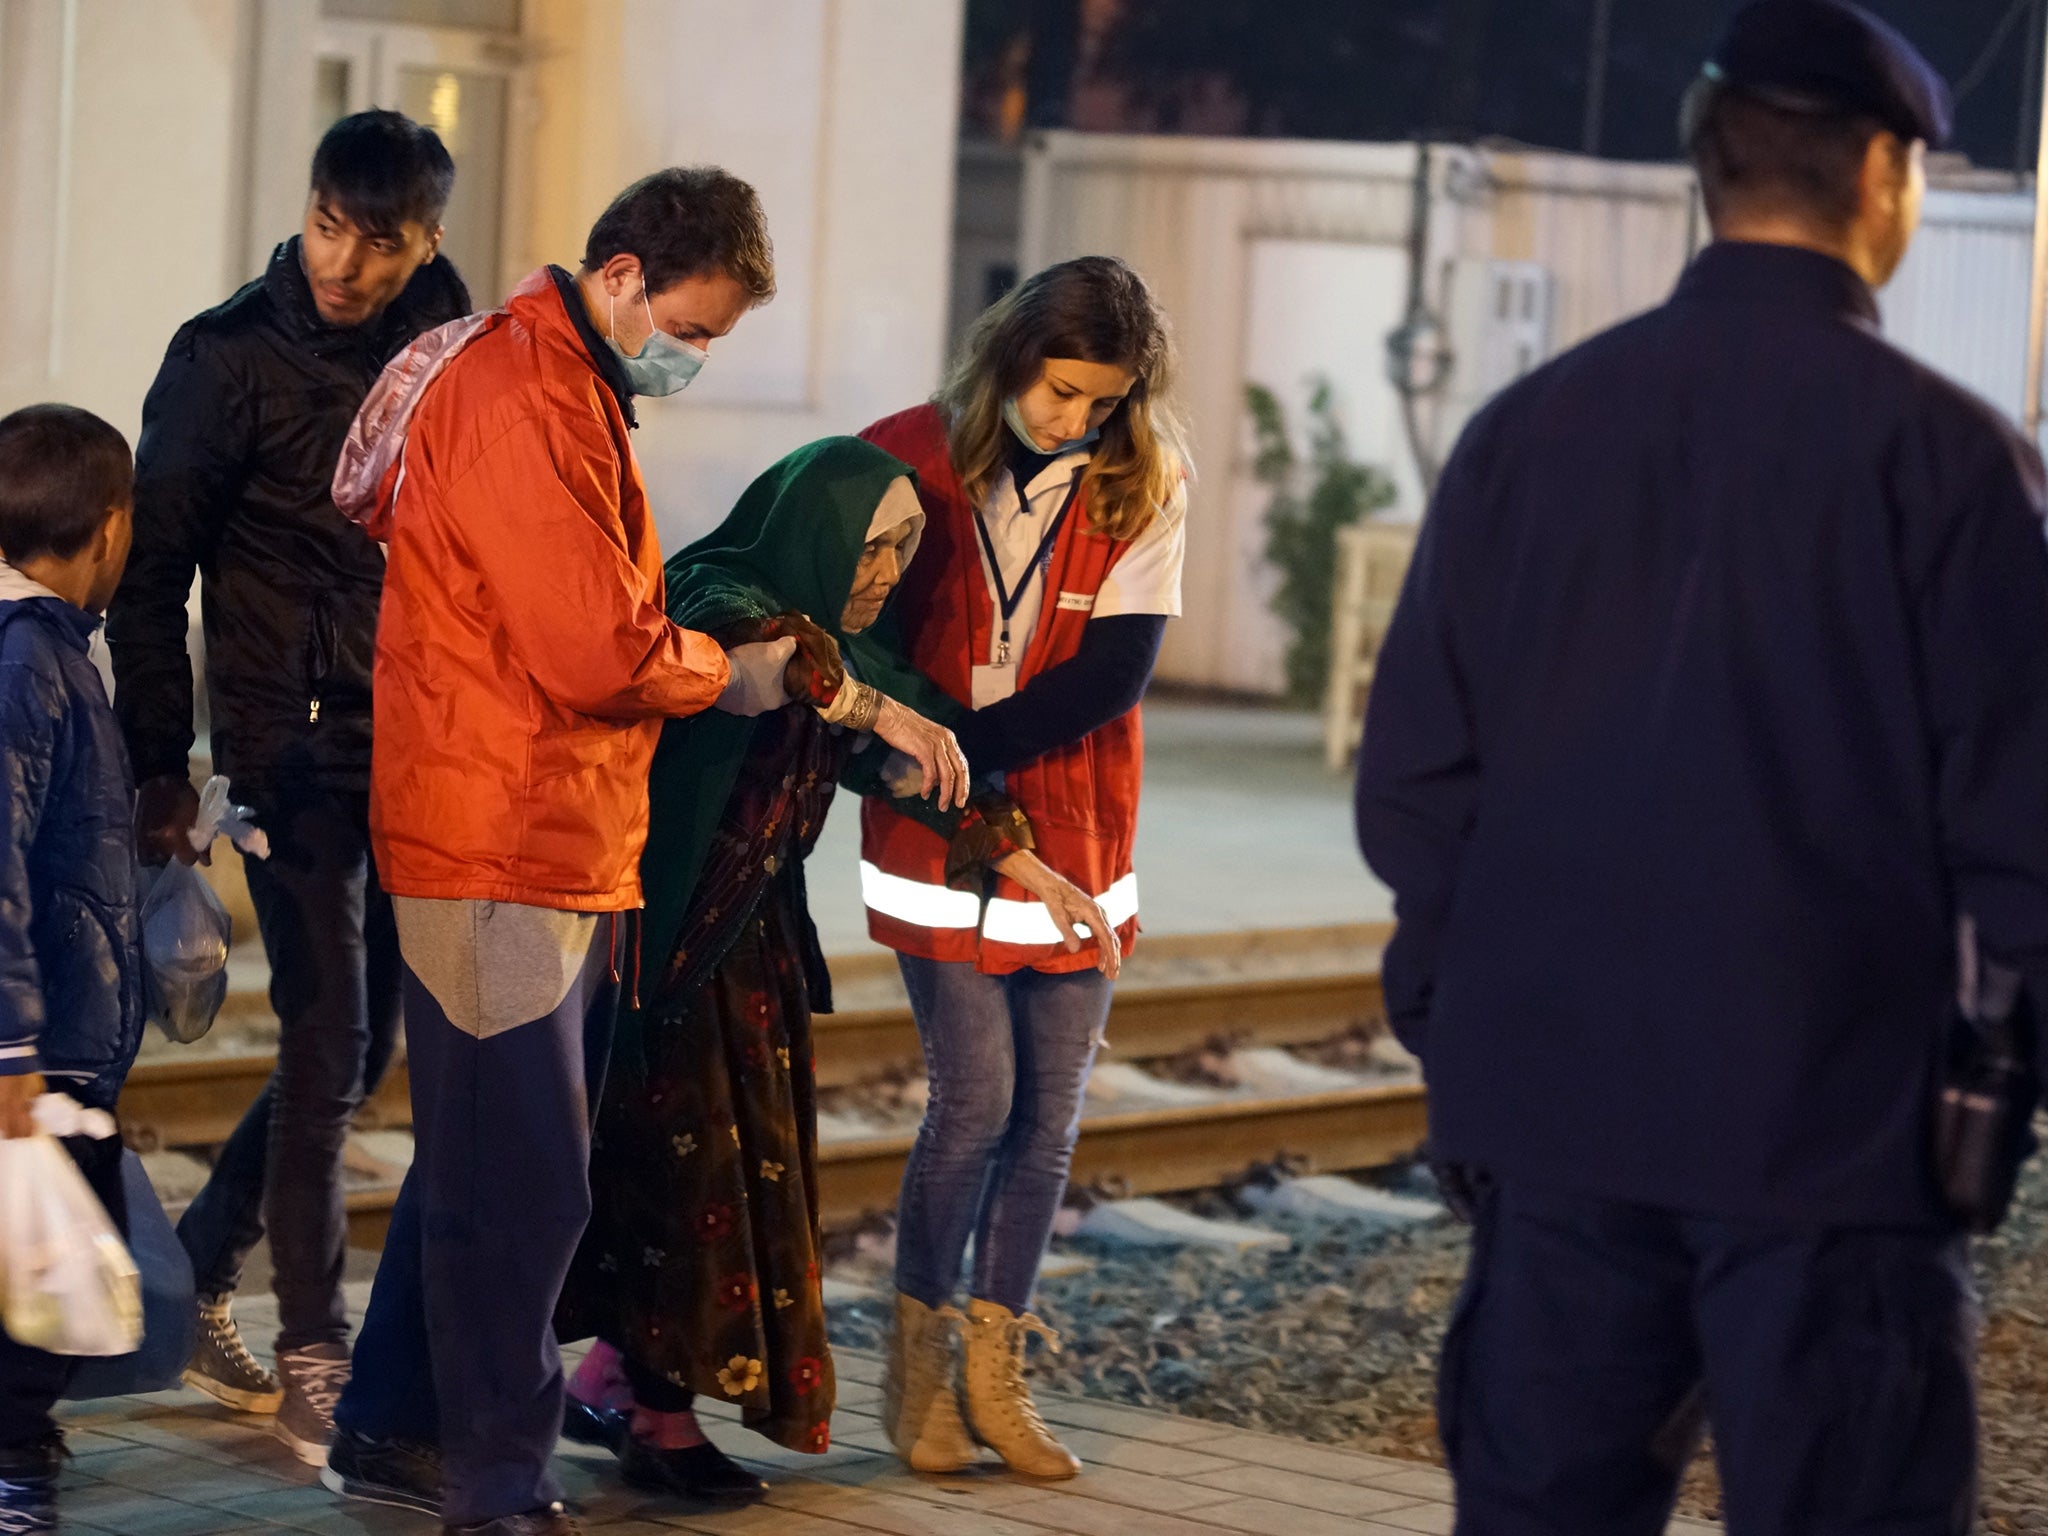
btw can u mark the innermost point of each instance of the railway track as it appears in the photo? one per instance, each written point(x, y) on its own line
point(1246, 989)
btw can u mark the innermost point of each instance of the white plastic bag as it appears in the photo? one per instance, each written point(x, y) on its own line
point(67, 1284)
point(218, 817)
point(185, 929)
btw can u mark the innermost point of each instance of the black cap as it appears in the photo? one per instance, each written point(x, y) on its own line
point(1827, 57)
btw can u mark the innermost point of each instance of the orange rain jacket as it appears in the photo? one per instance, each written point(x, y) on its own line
point(524, 660)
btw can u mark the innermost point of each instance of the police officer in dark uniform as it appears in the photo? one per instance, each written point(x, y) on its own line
point(1717, 696)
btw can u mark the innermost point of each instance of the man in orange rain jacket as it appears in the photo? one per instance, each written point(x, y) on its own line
point(524, 668)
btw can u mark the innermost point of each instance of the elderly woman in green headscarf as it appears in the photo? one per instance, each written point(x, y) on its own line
point(700, 1270)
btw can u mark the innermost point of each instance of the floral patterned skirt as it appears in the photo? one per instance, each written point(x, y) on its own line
point(701, 1261)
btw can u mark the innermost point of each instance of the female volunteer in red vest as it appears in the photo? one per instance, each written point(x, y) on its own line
point(1052, 473)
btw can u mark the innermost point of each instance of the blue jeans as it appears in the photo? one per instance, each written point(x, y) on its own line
point(1008, 1059)
point(458, 1345)
point(333, 949)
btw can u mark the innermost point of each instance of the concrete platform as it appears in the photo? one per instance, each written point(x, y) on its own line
point(173, 1464)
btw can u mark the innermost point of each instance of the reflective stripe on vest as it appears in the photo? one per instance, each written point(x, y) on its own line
point(1008, 922)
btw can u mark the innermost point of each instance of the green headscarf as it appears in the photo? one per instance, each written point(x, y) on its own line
point(793, 542)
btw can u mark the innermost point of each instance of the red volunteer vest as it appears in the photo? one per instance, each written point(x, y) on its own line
point(1082, 799)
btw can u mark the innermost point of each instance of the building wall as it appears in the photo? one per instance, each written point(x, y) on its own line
point(843, 114)
point(122, 183)
point(1959, 301)
point(1272, 257)
point(152, 152)
point(1188, 214)
point(988, 190)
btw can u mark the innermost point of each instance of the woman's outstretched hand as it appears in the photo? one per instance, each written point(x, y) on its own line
point(1071, 908)
point(934, 748)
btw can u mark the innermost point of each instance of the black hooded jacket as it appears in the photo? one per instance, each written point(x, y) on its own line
point(240, 434)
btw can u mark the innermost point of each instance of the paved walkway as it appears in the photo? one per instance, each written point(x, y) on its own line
point(174, 1465)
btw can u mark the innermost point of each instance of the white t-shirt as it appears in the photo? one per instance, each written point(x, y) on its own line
point(1145, 579)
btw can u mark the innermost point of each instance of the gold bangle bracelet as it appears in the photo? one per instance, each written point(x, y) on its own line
point(866, 707)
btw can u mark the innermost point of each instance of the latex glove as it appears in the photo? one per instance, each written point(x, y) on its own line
point(757, 683)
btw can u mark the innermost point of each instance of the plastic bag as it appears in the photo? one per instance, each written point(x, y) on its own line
point(169, 1314)
point(219, 817)
point(185, 929)
point(67, 1284)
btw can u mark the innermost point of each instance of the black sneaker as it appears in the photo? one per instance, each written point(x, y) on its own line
point(552, 1521)
point(313, 1380)
point(399, 1472)
point(222, 1366)
point(28, 1486)
point(702, 1472)
point(587, 1425)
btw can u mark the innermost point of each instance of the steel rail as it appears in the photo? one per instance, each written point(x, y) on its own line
point(196, 1101)
point(1164, 1151)
point(1135, 1152)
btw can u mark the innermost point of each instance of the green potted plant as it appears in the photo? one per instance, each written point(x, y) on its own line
point(1312, 499)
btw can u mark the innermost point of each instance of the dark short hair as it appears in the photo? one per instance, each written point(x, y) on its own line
point(383, 170)
point(62, 470)
point(1753, 155)
point(685, 222)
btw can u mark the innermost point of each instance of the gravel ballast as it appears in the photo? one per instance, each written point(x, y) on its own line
point(1335, 1339)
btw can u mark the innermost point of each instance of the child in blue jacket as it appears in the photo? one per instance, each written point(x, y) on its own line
point(70, 955)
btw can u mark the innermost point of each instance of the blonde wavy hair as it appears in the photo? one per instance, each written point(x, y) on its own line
point(1095, 310)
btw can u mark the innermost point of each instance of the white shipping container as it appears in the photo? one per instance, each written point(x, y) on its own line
point(1281, 261)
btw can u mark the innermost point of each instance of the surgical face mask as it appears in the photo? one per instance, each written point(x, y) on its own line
point(664, 365)
point(1015, 420)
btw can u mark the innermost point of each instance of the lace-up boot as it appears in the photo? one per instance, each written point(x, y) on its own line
point(919, 1408)
point(999, 1406)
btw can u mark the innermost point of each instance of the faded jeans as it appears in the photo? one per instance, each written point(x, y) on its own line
point(1008, 1059)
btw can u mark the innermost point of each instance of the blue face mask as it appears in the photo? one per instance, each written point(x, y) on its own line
point(1015, 420)
point(664, 365)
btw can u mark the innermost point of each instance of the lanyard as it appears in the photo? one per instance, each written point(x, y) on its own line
point(1006, 599)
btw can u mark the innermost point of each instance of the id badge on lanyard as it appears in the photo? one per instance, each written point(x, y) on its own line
point(992, 684)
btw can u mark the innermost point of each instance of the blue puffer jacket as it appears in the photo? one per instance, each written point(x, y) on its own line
point(70, 950)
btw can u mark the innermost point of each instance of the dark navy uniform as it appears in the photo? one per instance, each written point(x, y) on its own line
point(1719, 688)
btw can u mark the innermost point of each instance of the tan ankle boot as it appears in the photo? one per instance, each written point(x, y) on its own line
point(919, 1408)
point(999, 1406)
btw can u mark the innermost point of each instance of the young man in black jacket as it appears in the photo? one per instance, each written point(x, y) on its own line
point(240, 434)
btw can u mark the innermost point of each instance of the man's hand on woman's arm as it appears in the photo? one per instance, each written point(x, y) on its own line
point(759, 680)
